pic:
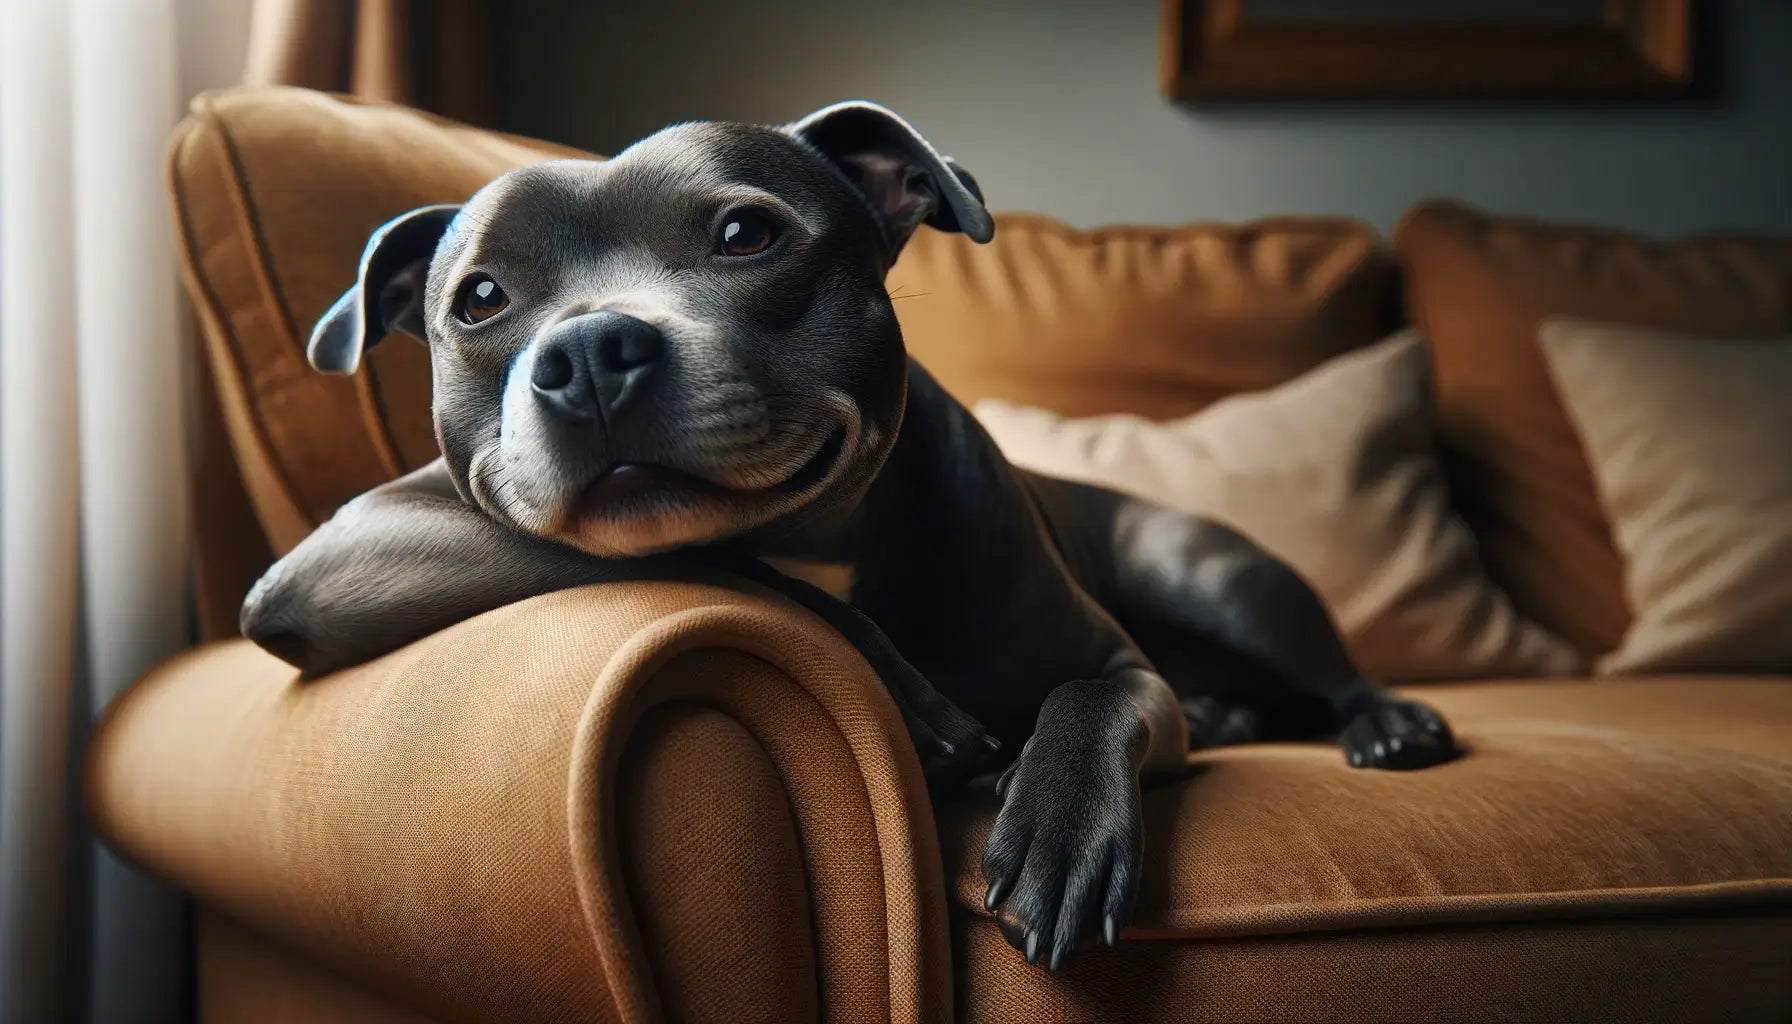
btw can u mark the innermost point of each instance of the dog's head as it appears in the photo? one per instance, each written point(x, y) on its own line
point(687, 343)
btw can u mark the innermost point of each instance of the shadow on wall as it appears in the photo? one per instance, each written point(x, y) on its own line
point(1055, 106)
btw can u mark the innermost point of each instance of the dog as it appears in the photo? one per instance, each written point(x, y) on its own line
point(683, 363)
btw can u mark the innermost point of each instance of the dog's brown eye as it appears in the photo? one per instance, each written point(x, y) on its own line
point(480, 300)
point(746, 232)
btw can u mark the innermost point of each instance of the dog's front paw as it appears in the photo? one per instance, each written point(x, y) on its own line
point(1063, 860)
point(1398, 735)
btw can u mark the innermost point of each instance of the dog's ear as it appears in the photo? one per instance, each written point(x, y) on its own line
point(904, 178)
point(388, 293)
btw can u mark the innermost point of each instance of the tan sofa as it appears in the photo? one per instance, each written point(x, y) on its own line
point(645, 802)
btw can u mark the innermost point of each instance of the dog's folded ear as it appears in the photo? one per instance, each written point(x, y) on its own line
point(906, 181)
point(387, 294)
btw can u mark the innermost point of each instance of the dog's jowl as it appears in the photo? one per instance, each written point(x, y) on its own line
point(682, 362)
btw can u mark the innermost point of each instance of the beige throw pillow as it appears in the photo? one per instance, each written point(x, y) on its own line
point(1334, 472)
point(1690, 439)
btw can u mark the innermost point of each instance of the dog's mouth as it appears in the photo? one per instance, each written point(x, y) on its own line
point(819, 465)
point(630, 484)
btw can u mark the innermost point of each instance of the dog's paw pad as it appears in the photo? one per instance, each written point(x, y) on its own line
point(1397, 735)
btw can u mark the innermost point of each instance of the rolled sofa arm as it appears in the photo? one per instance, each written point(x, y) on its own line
point(628, 802)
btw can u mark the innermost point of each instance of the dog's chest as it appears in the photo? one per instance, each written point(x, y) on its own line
point(835, 578)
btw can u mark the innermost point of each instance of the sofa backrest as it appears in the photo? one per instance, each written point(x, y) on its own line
point(275, 191)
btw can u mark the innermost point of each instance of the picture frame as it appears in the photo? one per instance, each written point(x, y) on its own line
point(1213, 49)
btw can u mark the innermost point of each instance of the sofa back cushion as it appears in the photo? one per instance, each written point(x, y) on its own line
point(1157, 322)
point(1479, 286)
point(274, 193)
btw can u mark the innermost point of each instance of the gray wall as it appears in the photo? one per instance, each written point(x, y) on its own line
point(1054, 106)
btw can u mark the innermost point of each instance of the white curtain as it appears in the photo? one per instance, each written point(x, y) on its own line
point(93, 471)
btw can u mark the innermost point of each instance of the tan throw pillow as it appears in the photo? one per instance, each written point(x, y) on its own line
point(1335, 473)
point(1690, 440)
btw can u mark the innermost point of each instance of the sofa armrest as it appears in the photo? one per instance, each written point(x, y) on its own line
point(622, 802)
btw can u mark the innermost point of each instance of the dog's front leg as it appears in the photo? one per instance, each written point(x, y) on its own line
point(402, 561)
point(1063, 860)
point(410, 558)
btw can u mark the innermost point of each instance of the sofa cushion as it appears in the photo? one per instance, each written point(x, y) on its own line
point(1688, 439)
point(1613, 850)
point(1478, 286)
point(1712, 967)
point(1154, 321)
point(1579, 804)
point(1336, 473)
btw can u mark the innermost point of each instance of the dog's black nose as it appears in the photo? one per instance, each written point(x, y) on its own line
point(595, 362)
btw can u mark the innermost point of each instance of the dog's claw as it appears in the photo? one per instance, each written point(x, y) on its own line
point(991, 743)
point(998, 891)
point(1110, 931)
point(948, 748)
point(1032, 947)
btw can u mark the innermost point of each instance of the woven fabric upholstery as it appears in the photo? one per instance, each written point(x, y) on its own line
point(1709, 968)
point(1606, 851)
point(1575, 798)
point(693, 803)
point(245, 978)
point(444, 825)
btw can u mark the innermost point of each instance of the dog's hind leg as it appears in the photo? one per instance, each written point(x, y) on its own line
point(1194, 585)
